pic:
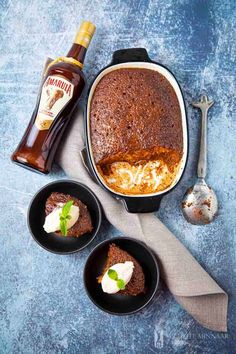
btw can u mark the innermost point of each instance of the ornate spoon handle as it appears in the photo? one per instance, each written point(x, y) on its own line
point(203, 104)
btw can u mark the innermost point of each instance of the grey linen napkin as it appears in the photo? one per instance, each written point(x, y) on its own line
point(190, 284)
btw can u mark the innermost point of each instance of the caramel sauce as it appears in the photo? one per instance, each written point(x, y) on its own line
point(144, 177)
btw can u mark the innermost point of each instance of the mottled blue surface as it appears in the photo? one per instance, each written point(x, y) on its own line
point(43, 305)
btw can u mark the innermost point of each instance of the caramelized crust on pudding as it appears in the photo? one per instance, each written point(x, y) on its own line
point(136, 285)
point(82, 225)
point(135, 118)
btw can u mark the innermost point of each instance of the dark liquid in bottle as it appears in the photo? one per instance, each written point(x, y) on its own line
point(61, 89)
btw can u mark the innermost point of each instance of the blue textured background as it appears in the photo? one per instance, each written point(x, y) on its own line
point(43, 305)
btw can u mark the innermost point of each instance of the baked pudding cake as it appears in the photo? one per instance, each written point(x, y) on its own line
point(136, 131)
point(117, 256)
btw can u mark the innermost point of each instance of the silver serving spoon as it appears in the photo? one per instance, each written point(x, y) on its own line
point(200, 204)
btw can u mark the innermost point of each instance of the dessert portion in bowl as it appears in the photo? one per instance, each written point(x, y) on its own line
point(122, 273)
point(66, 216)
point(136, 131)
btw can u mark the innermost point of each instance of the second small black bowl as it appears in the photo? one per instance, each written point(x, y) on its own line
point(118, 304)
point(36, 217)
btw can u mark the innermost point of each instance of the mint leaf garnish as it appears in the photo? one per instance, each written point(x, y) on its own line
point(63, 227)
point(64, 217)
point(66, 208)
point(121, 284)
point(112, 274)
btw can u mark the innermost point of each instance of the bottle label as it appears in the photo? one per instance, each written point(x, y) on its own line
point(56, 93)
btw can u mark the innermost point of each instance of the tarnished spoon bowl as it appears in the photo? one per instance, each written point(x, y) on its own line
point(200, 204)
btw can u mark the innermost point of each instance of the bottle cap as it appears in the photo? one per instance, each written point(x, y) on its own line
point(85, 33)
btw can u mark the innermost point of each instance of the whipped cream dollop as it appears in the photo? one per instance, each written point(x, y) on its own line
point(124, 272)
point(52, 220)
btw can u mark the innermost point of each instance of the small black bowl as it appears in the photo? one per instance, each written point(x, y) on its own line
point(36, 217)
point(117, 304)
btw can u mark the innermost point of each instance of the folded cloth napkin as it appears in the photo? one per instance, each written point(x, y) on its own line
point(190, 284)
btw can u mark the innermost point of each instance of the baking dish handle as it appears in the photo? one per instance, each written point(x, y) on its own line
point(142, 204)
point(85, 159)
point(130, 54)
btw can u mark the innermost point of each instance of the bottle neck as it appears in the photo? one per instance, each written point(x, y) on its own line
point(78, 52)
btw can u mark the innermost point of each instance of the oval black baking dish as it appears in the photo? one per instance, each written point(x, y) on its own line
point(133, 58)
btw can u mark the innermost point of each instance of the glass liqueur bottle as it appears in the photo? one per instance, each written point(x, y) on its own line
point(61, 89)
